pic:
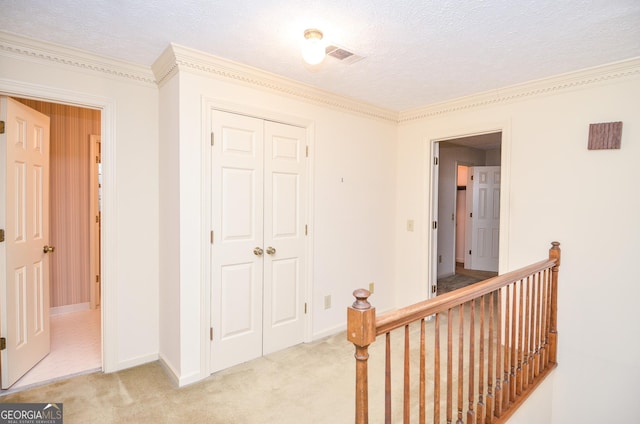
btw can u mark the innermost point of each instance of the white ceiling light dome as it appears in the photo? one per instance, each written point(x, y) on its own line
point(313, 49)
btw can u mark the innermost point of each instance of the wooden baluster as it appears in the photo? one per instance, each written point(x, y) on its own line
point(536, 365)
point(506, 388)
point(387, 379)
point(481, 411)
point(543, 326)
point(514, 354)
point(436, 370)
point(498, 395)
point(490, 361)
point(532, 336)
point(407, 383)
point(423, 378)
point(361, 331)
point(547, 328)
point(449, 366)
point(527, 323)
point(460, 362)
point(472, 357)
point(554, 253)
point(520, 352)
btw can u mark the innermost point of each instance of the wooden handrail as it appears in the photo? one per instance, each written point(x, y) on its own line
point(517, 343)
point(403, 316)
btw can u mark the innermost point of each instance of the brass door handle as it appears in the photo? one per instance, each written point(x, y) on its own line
point(48, 249)
point(257, 251)
point(271, 251)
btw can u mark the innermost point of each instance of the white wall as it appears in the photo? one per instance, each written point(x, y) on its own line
point(130, 215)
point(352, 186)
point(556, 189)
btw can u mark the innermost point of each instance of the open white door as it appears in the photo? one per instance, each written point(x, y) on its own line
point(24, 263)
point(435, 173)
point(483, 218)
point(94, 213)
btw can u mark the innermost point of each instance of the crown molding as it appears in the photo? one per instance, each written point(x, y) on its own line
point(179, 58)
point(17, 46)
point(551, 85)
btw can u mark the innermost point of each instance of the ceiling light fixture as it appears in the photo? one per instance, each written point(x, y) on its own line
point(313, 48)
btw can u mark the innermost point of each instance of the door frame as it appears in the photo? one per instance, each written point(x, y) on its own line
point(207, 104)
point(109, 206)
point(429, 264)
point(94, 233)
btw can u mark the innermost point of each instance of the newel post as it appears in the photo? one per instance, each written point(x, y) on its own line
point(554, 253)
point(361, 331)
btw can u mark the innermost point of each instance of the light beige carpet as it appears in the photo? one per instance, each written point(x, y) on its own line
point(309, 383)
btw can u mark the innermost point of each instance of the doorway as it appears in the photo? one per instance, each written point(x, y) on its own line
point(76, 317)
point(457, 158)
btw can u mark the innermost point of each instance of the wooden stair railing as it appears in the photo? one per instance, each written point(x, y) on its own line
point(505, 346)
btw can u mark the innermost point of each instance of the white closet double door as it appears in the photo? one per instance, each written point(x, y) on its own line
point(259, 230)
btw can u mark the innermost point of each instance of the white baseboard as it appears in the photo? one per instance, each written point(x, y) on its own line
point(59, 310)
point(329, 332)
point(179, 381)
point(134, 362)
point(168, 369)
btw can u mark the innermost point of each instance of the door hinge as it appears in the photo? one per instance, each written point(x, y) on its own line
point(97, 278)
point(469, 251)
point(307, 151)
point(212, 138)
point(1, 236)
point(211, 333)
point(434, 288)
point(1, 127)
point(211, 237)
point(3, 343)
point(306, 229)
point(97, 219)
point(435, 225)
point(97, 159)
point(470, 214)
point(305, 307)
point(435, 160)
point(472, 178)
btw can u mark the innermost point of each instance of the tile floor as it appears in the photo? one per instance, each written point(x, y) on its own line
point(76, 348)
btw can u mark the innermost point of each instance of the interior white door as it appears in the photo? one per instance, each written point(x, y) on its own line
point(24, 214)
point(238, 239)
point(435, 175)
point(258, 250)
point(483, 222)
point(284, 236)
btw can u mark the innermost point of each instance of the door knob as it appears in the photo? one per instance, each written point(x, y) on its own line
point(48, 249)
point(257, 251)
point(271, 250)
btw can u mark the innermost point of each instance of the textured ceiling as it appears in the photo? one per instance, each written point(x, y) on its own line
point(417, 52)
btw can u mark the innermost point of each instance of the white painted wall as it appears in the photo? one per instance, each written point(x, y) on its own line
point(352, 188)
point(556, 189)
point(130, 164)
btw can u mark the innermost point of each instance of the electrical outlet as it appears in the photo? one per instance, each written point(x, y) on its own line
point(327, 301)
point(371, 287)
point(410, 225)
